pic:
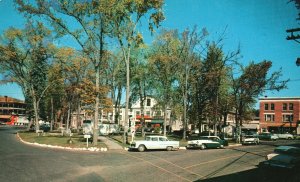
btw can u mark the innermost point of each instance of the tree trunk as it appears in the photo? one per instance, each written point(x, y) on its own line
point(36, 108)
point(52, 115)
point(78, 115)
point(165, 121)
point(68, 116)
point(95, 129)
point(125, 135)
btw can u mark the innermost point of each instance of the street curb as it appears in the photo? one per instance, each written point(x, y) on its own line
point(91, 149)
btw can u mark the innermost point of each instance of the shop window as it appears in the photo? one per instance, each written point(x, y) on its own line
point(287, 118)
point(148, 113)
point(291, 106)
point(269, 117)
point(284, 106)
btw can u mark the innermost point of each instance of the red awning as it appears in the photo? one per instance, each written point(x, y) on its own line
point(287, 124)
point(145, 117)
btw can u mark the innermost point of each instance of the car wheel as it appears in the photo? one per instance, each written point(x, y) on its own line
point(289, 138)
point(141, 148)
point(221, 146)
point(202, 147)
point(169, 148)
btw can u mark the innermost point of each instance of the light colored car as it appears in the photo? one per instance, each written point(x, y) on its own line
point(285, 136)
point(250, 139)
point(204, 142)
point(287, 157)
point(268, 136)
point(154, 142)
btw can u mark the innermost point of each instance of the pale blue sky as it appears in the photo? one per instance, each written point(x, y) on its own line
point(258, 26)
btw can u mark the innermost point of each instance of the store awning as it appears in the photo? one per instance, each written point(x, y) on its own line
point(250, 126)
point(157, 121)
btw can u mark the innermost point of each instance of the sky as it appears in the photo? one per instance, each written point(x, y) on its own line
point(257, 26)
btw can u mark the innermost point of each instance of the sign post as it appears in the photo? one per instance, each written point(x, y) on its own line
point(87, 140)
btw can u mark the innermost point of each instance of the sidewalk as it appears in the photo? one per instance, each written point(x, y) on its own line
point(111, 145)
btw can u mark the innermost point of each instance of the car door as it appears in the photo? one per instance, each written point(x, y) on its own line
point(215, 143)
point(154, 144)
point(162, 142)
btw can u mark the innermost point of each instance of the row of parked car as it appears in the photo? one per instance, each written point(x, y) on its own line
point(284, 157)
point(162, 142)
point(254, 139)
point(200, 142)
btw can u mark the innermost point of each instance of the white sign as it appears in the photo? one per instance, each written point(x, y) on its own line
point(87, 136)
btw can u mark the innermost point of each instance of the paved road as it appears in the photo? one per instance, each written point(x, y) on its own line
point(20, 162)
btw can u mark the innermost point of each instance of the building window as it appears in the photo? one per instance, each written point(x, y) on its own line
point(272, 106)
point(291, 106)
point(266, 107)
point(284, 106)
point(137, 113)
point(148, 113)
point(158, 113)
point(148, 102)
point(287, 118)
point(269, 117)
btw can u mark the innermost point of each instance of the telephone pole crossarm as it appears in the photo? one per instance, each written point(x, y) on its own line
point(292, 36)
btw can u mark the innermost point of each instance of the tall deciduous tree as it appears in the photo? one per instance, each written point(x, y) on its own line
point(25, 56)
point(124, 17)
point(85, 23)
point(254, 80)
point(163, 64)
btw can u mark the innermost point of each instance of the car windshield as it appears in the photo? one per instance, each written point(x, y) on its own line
point(294, 151)
point(249, 136)
point(203, 138)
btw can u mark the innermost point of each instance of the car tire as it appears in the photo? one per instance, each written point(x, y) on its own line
point(202, 147)
point(141, 148)
point(169, 148)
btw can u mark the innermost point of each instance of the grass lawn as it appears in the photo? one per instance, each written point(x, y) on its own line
point(77, 140)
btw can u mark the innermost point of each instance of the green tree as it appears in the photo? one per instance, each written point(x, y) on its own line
point(85, 23)
point(124, 17)
point(163, 64)
point(25, 55)
point(254, 81)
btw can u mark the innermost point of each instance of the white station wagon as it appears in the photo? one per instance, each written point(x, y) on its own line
point(154, 142)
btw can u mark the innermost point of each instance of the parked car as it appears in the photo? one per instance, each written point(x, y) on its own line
point(204, 142)
point(250, 139)
point(267, 136)
point(286, 157)
point(45, 127)
point(154, 142)
point(285, 136)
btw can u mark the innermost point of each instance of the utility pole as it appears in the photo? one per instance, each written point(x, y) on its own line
point(294, 37)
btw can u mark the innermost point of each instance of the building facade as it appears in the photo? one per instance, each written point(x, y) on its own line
point(279, 114)
point(153, 115)
point(12, 111)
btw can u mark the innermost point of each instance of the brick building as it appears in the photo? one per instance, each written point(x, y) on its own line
point(279, 114)
point(11, 109)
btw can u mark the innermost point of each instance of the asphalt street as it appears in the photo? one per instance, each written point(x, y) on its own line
point(21, 162)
